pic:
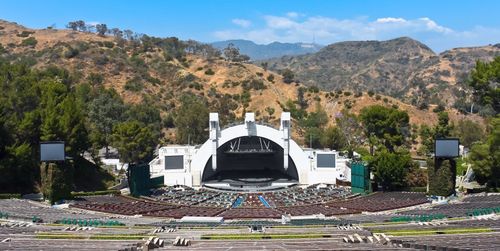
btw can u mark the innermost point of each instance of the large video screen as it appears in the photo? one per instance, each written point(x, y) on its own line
point(325, 160)
point(52, 151)
point(174, 162)
point(446, 148)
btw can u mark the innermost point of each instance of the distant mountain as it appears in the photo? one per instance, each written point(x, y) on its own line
point(402, 67)
point(272, 50)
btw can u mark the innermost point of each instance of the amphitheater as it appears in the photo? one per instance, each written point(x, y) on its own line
point(250, 186)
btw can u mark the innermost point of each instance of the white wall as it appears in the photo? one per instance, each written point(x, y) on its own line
point(298, 156)
point(195, 159)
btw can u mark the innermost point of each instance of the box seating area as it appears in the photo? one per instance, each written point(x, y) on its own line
point(382, 201)
point(310, 195)
point(125, 208)
point(224, 200)
point(29, 210)
point(328, 200)
point(469, 206)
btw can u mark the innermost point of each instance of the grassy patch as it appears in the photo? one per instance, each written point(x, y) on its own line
point(371, 224)
point(303, 226)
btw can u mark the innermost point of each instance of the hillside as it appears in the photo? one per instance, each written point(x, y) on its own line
point(402, 67)
point(267, 51)
point(161, 71)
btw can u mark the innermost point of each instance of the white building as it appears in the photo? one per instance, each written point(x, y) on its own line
point(248, 155)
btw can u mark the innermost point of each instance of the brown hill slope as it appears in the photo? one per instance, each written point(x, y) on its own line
point(399, 67)
point(138, 71)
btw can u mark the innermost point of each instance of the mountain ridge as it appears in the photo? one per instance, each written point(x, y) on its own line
point(397, 67)
point(265, 51)
point(151, 71)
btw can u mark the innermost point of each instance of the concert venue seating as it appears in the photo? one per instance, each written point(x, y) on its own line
point(468, 207)
point(178, 202)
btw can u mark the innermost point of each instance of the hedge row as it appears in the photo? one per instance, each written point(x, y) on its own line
point(10, 196)
point(105, 192)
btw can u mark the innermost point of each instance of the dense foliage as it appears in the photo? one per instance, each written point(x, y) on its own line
point(388, 127)
point(485, 157)
point(485, 80)
point(53, 104)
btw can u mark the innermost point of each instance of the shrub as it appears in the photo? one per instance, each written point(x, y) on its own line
point(105, 192)
point(31, 41)
point(378, 97)
point(313, 89)
point(260, 74)
point(101, 60)
point(134, 85)
point(270, 78)
point(25, 34)
point(10, 196)
point(288, 76)
point(209, 71)
point(386, 100)
point(199, 68)
point(136, 61)
point(371, 93)
point(439, 108)
point(347, 93)
point(108, 44)
point(71, 52)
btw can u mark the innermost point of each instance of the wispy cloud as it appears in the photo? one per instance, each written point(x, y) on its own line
point(93, 23)
point(295, 27)
point(242, 22)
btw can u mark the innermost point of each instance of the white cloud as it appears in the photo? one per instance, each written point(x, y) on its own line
point(93, 23)
point(328, 30)
point(292, 14)
point(242, 22)
point(391, 20)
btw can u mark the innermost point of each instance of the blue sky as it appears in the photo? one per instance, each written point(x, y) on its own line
point(440, 24)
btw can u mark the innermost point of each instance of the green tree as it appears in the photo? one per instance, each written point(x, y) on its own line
point(427, 140)
point(388, 125)
point(351, 129)
point(231, 52)
point(485, 80)
point(443, 127)
point(288, 76)
point(104, 112)
point(72, 126)
point(468, 132)
point(441, 177)
point(135, 141)
point(485, 157)
point(101, 29)
point(390, 169)
point(333, 138)
point(191, 120)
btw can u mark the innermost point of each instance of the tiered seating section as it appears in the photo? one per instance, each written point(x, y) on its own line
point(382, 201)
point(184, 201)
point(468, 207)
